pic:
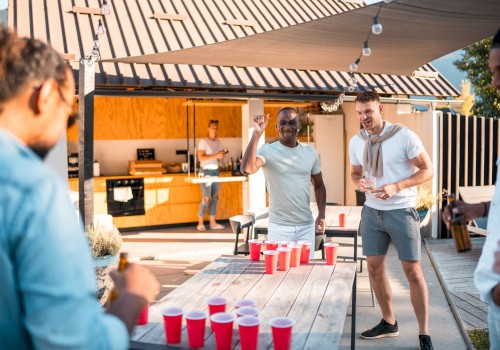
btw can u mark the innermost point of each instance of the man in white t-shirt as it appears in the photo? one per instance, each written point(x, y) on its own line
point(487, 274)
point(394, 156)
point(210, 150)
point(289, 167)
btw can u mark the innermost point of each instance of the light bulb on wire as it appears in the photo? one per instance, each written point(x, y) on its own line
point(105, 8)
point(353, 81)
point(101, 29)
point(96, 55)
point(366, 49)
point(354, 66)
point(96, 41)
point(376, 27)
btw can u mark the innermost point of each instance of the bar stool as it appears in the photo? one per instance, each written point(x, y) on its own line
point(238, 223)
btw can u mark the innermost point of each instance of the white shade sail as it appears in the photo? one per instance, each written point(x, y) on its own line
point(415, 32)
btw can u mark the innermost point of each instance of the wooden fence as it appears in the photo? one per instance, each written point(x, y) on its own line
point(468, 152)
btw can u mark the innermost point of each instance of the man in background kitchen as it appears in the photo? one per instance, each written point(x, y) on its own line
point(210, 150)
point(289, 168)
point(487, 274)
point(46, 275)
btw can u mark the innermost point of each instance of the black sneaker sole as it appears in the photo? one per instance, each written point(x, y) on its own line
point(386, 335)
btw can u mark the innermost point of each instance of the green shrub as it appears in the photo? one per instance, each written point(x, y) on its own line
point(480, 339)
point(104, 241)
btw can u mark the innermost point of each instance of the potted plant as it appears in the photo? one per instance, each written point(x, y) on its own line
point(425, 200)
point(105, 242)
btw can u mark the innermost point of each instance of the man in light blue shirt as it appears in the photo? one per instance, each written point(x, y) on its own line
point(47, 293)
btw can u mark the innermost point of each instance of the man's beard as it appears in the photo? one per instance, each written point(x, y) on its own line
point(41, 150)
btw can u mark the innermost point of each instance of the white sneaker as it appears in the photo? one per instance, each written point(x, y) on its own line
point(216, 227)
point(201, 228)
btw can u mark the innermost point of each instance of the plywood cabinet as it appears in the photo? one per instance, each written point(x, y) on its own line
point(168, 199)
point(149, 118)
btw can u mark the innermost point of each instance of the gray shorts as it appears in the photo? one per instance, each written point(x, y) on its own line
point(401, 226)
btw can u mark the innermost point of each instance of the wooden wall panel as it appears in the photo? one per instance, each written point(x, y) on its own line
point(229, 118)
point(271, 130)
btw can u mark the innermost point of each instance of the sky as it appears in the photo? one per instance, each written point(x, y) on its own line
point(3, 4)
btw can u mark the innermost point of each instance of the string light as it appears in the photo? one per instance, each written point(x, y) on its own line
point(101, 29)
point(376, 28)
point(105, 8)
point(95, 54)
point(366, 49)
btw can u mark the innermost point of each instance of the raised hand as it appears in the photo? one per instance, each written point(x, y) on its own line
point(260, 122)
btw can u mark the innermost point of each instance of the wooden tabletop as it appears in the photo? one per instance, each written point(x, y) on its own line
point(315, 295)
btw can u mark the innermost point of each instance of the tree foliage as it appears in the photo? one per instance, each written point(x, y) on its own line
point(475, 63)
point(467, 97)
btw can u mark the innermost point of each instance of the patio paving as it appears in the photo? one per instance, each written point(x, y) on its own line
point(175, 254)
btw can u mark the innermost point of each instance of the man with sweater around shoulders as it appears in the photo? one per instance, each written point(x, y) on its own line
point(388, 161)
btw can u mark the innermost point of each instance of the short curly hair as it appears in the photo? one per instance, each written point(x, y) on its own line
point(368, 96)
point(24, 61)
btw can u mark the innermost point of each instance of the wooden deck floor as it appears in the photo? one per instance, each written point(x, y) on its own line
point(457, 270)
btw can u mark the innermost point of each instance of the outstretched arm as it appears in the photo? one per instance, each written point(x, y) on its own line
point(250, 163)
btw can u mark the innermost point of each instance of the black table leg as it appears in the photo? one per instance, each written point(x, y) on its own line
point(353, 312)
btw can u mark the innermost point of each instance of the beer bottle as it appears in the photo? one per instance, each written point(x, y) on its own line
point(122, 265)
point(458, 228)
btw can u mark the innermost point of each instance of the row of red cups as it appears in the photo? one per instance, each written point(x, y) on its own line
point(290, 254)
point(221, 323)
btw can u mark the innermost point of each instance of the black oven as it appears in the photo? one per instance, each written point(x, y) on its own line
point(125, 196)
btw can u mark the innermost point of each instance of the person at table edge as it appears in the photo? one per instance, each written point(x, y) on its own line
point(487, 274)
point(48, 283)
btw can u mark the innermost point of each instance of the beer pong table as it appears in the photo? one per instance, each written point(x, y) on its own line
point(315, 295)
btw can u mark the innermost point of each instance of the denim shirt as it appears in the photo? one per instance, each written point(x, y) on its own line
point(47, 281)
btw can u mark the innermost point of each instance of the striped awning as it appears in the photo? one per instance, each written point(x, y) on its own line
point(139, 27)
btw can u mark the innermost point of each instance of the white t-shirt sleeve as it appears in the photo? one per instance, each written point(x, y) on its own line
point(316, 169)
point(413, 144)
point(202, 145)
point(262, 152)
point(353, 145)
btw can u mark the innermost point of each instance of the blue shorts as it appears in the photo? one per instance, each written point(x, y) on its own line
point(401, 226)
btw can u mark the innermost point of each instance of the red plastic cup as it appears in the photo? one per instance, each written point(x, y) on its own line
point(295, 255)
point(172, 320)
point(271, 245)
point(222, 323)
point(306, 250)
point(271, 257)
point(216, 304)
point(342, 219)
point(143, 317)
point(281, 328)
point(247, 311)
point(286, 243)
point(196, 321)
point(284, 258)
point(249, 332)
point(254, 246)
point(331, 252)
point(245, 303)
